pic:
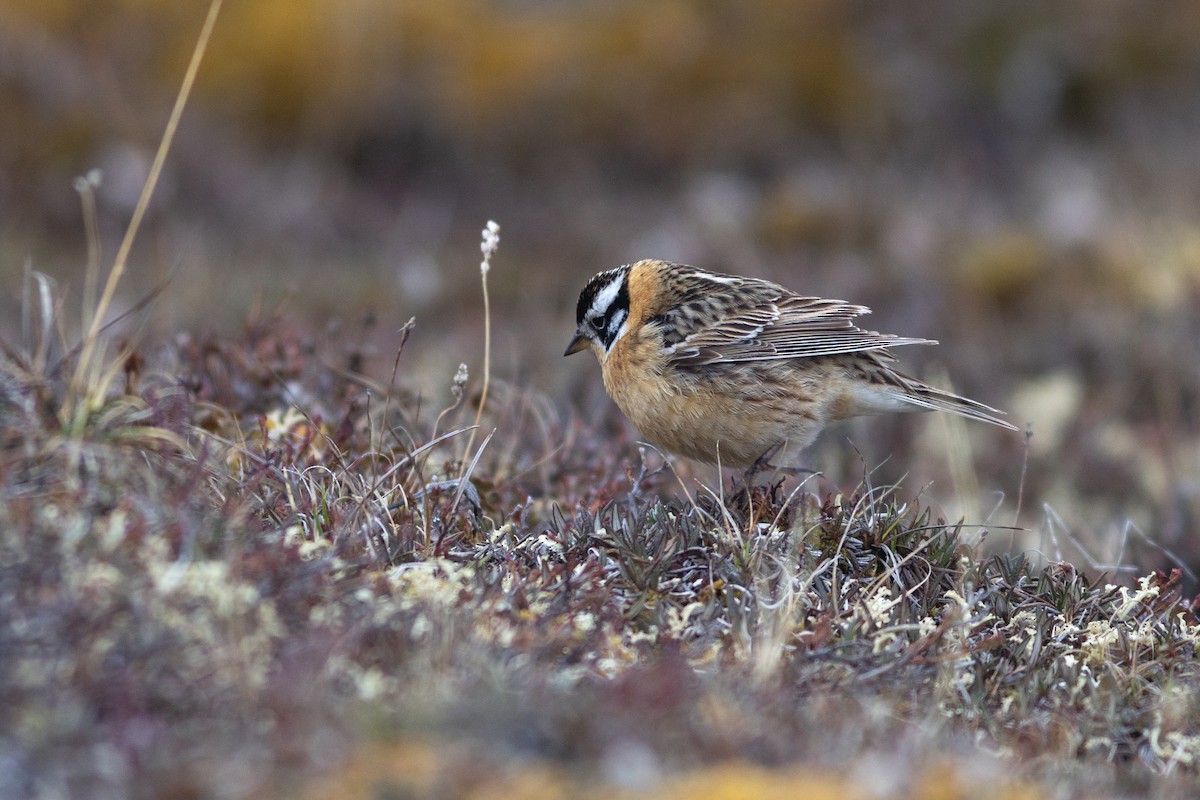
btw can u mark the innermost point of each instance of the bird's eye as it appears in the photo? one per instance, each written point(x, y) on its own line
point(596, 321)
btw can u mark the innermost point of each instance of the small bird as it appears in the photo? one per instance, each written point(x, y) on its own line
point(732, 370)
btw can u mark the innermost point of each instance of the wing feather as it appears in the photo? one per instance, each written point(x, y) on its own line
point(782, 325)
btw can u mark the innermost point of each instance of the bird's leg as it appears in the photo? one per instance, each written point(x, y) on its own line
point(790, 472)
point(763, 464)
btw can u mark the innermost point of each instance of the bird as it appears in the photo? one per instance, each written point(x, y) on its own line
point(735, 370)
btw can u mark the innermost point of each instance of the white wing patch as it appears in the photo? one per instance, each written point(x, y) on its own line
point(727, 280)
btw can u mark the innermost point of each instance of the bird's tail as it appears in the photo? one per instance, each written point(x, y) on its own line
point(892, 391)
point(924, 396)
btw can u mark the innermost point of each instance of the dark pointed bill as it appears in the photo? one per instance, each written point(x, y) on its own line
point(580, 342)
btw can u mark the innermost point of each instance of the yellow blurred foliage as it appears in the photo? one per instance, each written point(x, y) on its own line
point(419, 769)
point(1004, 265)
point(657, 68)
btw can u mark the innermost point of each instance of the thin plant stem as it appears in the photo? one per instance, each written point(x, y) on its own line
point(491, 240)
point(91, 338)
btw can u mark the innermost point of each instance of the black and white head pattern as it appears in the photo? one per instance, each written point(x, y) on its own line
point(603, 310)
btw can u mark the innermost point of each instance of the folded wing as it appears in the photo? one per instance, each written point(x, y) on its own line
point(784, 326)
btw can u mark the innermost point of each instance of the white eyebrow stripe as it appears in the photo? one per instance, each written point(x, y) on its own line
point(608, 295)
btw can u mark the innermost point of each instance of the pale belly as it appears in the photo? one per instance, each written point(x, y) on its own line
point(711, 426)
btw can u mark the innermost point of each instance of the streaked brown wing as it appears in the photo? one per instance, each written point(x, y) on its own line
point(789, 326)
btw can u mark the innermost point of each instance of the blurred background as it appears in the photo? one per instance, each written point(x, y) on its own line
point(1019, 181)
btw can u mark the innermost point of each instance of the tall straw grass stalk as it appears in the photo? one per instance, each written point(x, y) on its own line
point(92, 337)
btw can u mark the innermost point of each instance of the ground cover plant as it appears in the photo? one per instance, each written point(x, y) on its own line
point(250, 567)
point(276, 558)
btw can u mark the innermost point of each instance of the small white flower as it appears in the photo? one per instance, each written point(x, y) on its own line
point(90, 181)
point(491, 241)
point(460, 380)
